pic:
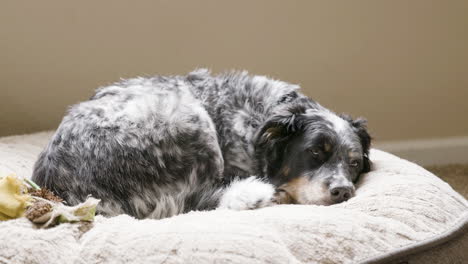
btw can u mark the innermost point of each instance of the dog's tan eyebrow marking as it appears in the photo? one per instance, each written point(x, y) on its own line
point(327, 147)
point(353, 154)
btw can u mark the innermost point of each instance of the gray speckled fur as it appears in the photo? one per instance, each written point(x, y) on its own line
point(160, 146)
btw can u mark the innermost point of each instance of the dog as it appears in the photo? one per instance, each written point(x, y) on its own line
point(165, 145)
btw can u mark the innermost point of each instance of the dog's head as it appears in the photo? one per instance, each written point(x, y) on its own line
point(313, 156)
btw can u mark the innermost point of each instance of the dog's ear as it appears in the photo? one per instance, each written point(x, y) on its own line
point(271, 139)
point(359, 125)
point(282, 125)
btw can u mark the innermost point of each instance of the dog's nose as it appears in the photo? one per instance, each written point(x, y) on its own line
point(341, 194)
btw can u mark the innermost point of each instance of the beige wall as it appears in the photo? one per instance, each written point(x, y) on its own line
point(402, 64)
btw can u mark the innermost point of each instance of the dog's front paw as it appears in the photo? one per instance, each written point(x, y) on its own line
point(250, 193)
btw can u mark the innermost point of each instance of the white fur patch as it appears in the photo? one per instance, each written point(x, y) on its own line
point(250, 193)
point(339, 124)
point(313, 193)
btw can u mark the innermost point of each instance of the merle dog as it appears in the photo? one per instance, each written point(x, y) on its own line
point(160, 146)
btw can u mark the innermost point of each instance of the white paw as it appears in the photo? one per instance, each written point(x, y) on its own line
point(245, 194)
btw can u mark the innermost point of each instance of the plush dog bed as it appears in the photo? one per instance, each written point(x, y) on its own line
point(401, 213)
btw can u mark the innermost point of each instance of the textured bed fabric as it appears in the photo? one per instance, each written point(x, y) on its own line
point(398, 206)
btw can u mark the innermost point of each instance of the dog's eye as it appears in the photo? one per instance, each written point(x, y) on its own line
point(354, 163)
point(314, 151)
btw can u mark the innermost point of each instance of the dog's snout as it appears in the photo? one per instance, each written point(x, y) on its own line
point(341, 194)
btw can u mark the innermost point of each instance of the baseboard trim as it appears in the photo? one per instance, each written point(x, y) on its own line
point(426, 152)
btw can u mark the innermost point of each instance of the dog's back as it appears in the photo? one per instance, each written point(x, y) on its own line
point(140, 146)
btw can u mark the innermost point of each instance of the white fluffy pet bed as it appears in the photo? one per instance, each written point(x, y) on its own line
point(401, 212)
